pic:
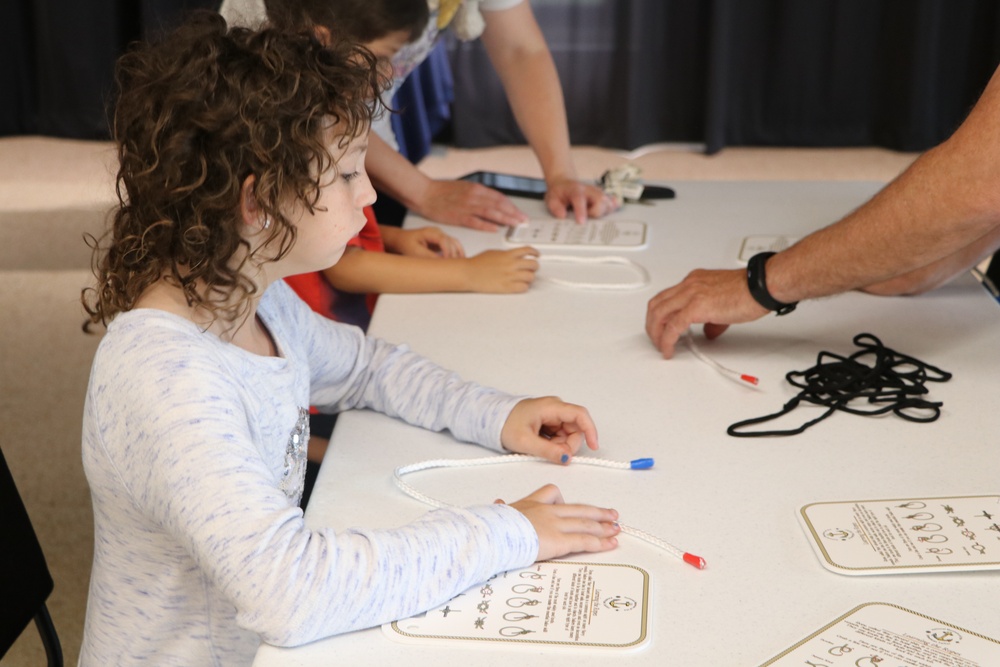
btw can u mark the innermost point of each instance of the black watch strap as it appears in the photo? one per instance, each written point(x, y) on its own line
point(757, 282)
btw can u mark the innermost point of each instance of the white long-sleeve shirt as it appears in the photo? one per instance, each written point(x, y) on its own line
point(194, 450)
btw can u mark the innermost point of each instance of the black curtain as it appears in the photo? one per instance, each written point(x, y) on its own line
point(58, 59)
point(895, 73)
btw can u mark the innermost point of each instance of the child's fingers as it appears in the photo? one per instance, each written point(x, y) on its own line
point(581, 543)
point(450, 247)
point(563, 529)
point(550, 428)
point(548, 495)
point(573, 420)
point(553, 450)
point(586, 518)
point(524, 258)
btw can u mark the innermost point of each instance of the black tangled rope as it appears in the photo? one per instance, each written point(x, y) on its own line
point(874, 380)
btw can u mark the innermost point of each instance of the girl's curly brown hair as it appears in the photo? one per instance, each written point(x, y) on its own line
point(197, 114)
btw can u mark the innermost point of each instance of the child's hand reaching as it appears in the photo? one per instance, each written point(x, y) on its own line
point(503, 271)
point(548, 427)
point(423, 242)
point(564, 529)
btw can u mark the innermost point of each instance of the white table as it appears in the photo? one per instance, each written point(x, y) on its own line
point(733, 501)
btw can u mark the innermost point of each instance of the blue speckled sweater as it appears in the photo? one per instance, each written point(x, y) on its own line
point(194, 450)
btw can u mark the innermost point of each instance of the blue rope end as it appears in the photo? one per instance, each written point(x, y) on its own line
point(641, 464)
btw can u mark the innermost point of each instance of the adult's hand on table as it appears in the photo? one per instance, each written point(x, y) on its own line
point(713, 298)
point(466, 204)
point(585, 199)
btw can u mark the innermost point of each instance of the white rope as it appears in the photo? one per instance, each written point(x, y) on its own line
point(742, 378)
point(691, 559)
point(605, 259)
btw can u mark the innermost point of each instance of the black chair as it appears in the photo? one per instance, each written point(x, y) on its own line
point(991, 279)
point(25, 582)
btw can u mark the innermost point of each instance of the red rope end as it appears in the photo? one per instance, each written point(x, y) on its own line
point(696, 561)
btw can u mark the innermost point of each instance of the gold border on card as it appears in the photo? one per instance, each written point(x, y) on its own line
point(871, 604)
point(505, 640)
point(929, 566)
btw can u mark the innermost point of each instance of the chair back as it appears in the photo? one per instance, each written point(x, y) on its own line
point(25, 582)
point(992, 276)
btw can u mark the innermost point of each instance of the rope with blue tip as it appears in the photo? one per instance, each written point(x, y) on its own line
point(636, 464)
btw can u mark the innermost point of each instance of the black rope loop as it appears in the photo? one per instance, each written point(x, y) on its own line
point(875, 380)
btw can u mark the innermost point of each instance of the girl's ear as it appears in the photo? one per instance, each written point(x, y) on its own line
point(250, 211)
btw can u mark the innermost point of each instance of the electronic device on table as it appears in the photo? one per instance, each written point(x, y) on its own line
point(534, 188)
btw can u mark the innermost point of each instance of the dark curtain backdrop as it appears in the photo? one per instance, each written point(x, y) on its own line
point(58, 59)
point(895, 73)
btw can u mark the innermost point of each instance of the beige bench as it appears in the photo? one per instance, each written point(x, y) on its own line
point(52, 191)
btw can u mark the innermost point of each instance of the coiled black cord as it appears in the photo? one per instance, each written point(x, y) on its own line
point(887, 380)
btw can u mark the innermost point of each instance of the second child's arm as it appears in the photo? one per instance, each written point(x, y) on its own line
point(422, 242)
point(493, 271)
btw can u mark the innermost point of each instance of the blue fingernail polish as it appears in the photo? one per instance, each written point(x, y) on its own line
point(565, 458)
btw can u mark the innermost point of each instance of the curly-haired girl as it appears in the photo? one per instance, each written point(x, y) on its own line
point(241, 162)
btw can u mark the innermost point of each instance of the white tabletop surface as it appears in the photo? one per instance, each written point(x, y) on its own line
point(733, 501)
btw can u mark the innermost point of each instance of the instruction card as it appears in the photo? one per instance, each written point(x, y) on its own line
point(905, 534)
point(752, 245)
point(591, 235)
point(885, 635)
point(560, 603)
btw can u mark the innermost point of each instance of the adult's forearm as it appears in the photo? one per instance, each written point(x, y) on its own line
point(393, 174)
point(940, 272)
point(522, 59)
point(935, 212)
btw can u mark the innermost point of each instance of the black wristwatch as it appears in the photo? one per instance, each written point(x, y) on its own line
point(757, 282)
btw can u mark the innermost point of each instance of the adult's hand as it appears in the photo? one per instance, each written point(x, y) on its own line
point(468, 204)
point(585, 199)
point(713, 298)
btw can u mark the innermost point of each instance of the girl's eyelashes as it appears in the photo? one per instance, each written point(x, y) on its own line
point(350, 176)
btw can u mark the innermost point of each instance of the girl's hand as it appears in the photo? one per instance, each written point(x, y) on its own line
point(425, 242)
point(565, 529)
point(548, 427)
point(503, 271)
